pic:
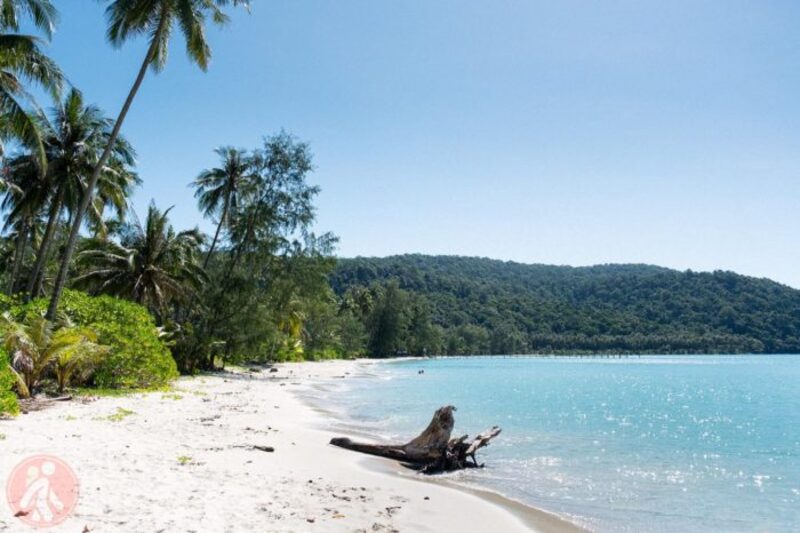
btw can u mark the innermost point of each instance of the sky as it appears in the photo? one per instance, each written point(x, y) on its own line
point(569, 132)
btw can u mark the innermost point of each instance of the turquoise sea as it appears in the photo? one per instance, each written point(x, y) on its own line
point(651, 443)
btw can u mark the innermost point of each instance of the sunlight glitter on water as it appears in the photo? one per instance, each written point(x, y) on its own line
point(656, 443)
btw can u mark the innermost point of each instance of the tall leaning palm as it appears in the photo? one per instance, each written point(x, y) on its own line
point(153, 264)
point(219, 190)
point(22, 59)
point(156, 19)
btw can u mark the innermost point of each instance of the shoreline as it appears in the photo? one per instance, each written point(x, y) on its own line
point(535, 518)
point(197, 457)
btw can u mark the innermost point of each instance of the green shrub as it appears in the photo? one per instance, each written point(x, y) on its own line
point(138, 357)
point(8, 399)
point(10, 304)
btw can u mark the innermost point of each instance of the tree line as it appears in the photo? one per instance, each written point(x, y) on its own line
point(420, 304)
point(126, 299)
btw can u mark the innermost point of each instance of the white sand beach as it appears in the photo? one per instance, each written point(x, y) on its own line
point(183, 461)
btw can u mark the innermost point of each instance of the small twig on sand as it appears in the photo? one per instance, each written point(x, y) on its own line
point(269, 449)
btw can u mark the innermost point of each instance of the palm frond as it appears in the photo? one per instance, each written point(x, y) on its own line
point(41, 12)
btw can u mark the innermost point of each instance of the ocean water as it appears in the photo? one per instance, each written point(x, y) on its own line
point(651, 443)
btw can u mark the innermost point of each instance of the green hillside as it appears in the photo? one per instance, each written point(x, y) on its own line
point(485, 306)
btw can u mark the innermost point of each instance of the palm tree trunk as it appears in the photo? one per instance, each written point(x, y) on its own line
point(219, 227)
point(63, 270)
point(37, 276)
point(19, 254)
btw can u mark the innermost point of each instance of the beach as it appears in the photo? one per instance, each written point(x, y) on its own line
point(239, 451)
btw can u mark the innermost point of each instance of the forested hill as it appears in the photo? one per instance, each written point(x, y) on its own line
point(478, 305)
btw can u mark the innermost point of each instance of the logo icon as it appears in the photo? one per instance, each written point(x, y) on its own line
point(42, 491)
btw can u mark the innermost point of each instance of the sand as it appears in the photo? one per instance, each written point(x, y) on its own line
point(183, 461)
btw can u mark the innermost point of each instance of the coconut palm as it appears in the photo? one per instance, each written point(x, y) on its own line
point(156, 19)
point(79, 354)
point(22, 59)
point(152, 264)
point(25, 192)
point(219, 190)
point(7, 246)
point(74, 139)
point(108, 209)
point(37, 345)
point(41, 12)
point(290, 322)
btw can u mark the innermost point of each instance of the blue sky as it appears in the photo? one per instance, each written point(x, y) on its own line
point(567, 132)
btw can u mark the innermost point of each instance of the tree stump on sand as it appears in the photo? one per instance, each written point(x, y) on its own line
point(433, 450)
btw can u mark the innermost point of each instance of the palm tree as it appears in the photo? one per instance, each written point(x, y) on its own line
point(37, 344)
point(42, 13)
point(74, 139)
point(152, 265)
point(21, 58)
point(219, 190)
point(114, 188)
point(25, 193)
point(156, 19)
point(290, 322)
point(78, 355)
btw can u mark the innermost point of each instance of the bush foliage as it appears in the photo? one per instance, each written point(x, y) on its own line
point(138, 357)
point(8, 399)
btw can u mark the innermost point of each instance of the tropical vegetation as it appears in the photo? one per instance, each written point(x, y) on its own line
point(23, 60)
point(37, 345)
point(8, 381)
point(458, 305)
point(155, 19)
point(96, 296)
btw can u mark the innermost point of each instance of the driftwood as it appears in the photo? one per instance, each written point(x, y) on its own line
point(433, 450)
